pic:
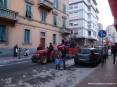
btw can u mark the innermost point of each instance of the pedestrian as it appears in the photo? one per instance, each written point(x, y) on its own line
point(57, 63)
point(50, 48)
point(16, 50)
point(57, 58)
point(109, 52)
point(26, 52)
point(64, 56)
point(39, 47)
point(114, 52)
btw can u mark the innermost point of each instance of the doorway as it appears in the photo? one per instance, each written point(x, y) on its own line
point(42, 42)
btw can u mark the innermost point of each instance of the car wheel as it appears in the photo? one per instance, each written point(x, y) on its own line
point(34, 60)
point(94, 63)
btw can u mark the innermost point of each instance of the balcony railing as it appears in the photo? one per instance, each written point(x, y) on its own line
point(47, 4)
point(65, 31)
point(8, 14)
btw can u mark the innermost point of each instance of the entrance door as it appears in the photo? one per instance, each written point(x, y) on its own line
point(42, 42)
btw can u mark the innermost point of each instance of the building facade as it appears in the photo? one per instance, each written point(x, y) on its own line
point(111, 34)
point(100, 27)
point(83, 19)
point(29, 23)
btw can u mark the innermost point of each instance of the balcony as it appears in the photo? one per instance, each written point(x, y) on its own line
point(8, 16)
point(46, 4)
point(65, 31)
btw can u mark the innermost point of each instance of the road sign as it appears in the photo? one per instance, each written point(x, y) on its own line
point(102, 33)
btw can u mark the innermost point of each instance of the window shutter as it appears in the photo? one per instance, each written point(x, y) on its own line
point(5, 4)
point(1, 3)
point(2, 33)
point(30, 13)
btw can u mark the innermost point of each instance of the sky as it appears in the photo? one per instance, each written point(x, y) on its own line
point(105, 16)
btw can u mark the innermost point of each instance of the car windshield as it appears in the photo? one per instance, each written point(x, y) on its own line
point(100, 49)
point(84, 51)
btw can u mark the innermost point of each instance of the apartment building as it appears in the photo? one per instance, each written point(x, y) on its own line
point(29, 23)
point(83, 20)
point(100, 27)
point(111, 34)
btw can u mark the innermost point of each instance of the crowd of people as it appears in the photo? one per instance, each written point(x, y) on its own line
point(58, 55)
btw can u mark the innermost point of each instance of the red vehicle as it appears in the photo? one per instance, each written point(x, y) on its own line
point(40, 56)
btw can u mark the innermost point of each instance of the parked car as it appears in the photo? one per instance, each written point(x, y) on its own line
point(103, 51)
point(87, 55)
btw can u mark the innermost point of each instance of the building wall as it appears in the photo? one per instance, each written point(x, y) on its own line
point(111, 33)
point(83, 19)
point(16, 32)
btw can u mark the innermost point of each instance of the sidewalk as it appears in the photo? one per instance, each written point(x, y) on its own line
point(104, 76)
point(8, 60)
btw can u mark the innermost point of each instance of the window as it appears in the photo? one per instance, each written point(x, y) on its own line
point(70, 7)
point(56, 4)
point(76, 6)
point(43, 34)
point(54, 20)
point(89, 8)
point(3, 3)
point(27, 36)
point(76, 11)
point(89, 1)
point(94, 33)
point(75, 24)
point(64, 8)
point(28, 10)
point(71, 24)
point(64, 22)
point(54, 38)
point(3, 33)
point(89, 33)
point(43, 15)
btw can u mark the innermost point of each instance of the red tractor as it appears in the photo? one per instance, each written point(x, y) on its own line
point(40, 56)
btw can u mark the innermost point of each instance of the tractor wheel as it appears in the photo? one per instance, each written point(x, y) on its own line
point(43, 60)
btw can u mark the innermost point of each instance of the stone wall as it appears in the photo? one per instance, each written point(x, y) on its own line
point(8, 52)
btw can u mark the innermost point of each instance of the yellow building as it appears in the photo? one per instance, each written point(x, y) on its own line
point(29, 23)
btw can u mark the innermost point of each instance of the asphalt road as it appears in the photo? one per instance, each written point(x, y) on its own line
point(27, 74)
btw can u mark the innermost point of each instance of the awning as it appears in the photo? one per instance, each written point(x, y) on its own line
point(113, 6)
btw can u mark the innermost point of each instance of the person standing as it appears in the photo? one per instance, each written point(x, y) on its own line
point(57, 58)
point(64, 57)
point(114, 52)
point(50, 48)
point(16, 50)
point(39, 47)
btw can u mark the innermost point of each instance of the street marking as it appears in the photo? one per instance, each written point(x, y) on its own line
point(14, 63)
point(102, 83)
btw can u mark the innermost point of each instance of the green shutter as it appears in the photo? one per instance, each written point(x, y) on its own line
point(54, 20)
point(2, 33)
point(1, 3)
point(41, 15)
point(27, 36)
point(5, 4)
point(30, 10)
point(57, 3)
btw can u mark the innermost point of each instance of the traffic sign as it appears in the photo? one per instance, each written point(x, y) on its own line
point(102, 33)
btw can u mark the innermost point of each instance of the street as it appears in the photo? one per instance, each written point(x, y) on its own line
point(28, 74)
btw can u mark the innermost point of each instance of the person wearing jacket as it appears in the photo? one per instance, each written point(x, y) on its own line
point(114, 52)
